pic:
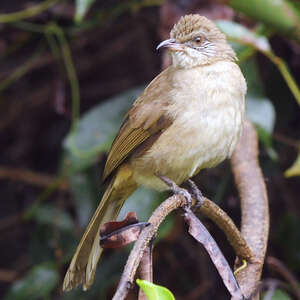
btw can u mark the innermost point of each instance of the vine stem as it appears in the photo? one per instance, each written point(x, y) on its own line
point(278, 62)
point(27, 13)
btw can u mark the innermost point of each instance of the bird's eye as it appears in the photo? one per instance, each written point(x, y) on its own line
point(198, 40)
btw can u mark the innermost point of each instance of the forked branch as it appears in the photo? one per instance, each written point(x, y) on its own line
point(254, 206)
point(177, 201)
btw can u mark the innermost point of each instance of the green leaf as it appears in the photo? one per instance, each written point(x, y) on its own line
point(259, 108)
point(50, 215)
point(280, 295)
point(82, 7)
point(84, 195)
point(38, 283)
point(154, 291)
point(143, 201)
point(237, 31)
point(96, 130)
point(294, 170)
point(261, 111)
point(287, 237)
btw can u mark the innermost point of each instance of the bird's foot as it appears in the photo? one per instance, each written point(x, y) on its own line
point(196, 193)
point(177, 190)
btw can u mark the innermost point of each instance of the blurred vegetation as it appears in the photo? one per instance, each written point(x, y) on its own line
point(69, 71)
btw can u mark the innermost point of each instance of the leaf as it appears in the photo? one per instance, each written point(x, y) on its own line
point(84, 195)
point(112, 226)
point(260, 110)
point(280, 295)
point(51, 215)
point(96, 130)
point(117, 234)
point(123, 235)
point(237, 31)
point(287, 237)
point(82, 7)
point(143, 201)
point(154, 291)
point(294, 170)
point(37, 283)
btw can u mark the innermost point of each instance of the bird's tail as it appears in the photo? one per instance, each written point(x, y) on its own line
point(84, 262)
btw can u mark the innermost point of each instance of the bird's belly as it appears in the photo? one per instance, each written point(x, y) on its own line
point(196, 140)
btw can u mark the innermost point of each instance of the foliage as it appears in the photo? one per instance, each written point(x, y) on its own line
point(82, 7)
point(154, 292)
point(280, 295)
point(294, 170)
point(36, 284)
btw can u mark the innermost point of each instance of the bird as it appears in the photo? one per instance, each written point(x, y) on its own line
point(188, 118)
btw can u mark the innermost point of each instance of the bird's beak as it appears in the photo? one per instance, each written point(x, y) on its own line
point(172, 44)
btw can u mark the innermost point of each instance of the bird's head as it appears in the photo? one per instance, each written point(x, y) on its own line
point(195, 40)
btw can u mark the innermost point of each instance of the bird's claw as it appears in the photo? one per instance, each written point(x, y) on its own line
point(178, 190)
point(196, 193)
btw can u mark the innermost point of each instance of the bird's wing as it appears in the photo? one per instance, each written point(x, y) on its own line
point(144, 123)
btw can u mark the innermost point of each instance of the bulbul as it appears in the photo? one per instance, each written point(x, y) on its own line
point(188, 118)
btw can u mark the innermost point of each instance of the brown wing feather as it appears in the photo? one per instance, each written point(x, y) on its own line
point(122, 147)
point(145, 119)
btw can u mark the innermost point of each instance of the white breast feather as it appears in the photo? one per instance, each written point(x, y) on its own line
point(208, 123)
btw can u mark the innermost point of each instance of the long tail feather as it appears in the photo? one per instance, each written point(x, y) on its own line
point(84, 262)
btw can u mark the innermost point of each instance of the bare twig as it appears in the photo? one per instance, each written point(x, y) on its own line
point(225, 223)
point(146, 268)
point(7, 275)
point(141, 244)
point(269, 282)
point(270, 292)
point(27, 176)
point(254, 205)
point(211, 210)
point(27, 13)
point(200, 233)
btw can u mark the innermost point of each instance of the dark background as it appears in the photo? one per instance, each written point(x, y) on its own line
point(48, 195)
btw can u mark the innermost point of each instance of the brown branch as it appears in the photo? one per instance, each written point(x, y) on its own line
point(7, 275)
point(208, 208)
point(27, 176)
point(141, 244)
point(146, 268)
point(254, 206)
point(198, 231)
point(225, 223)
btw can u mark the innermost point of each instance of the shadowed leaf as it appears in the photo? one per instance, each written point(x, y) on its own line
point(96, 130)
point(294, 170)
point(82, 6)
point(117, 234)
point(37, 284)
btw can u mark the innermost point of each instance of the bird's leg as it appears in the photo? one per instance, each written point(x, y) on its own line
point(196, 193)
point(176, 189)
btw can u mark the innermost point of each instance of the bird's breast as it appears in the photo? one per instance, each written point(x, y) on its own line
point(208, 116)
